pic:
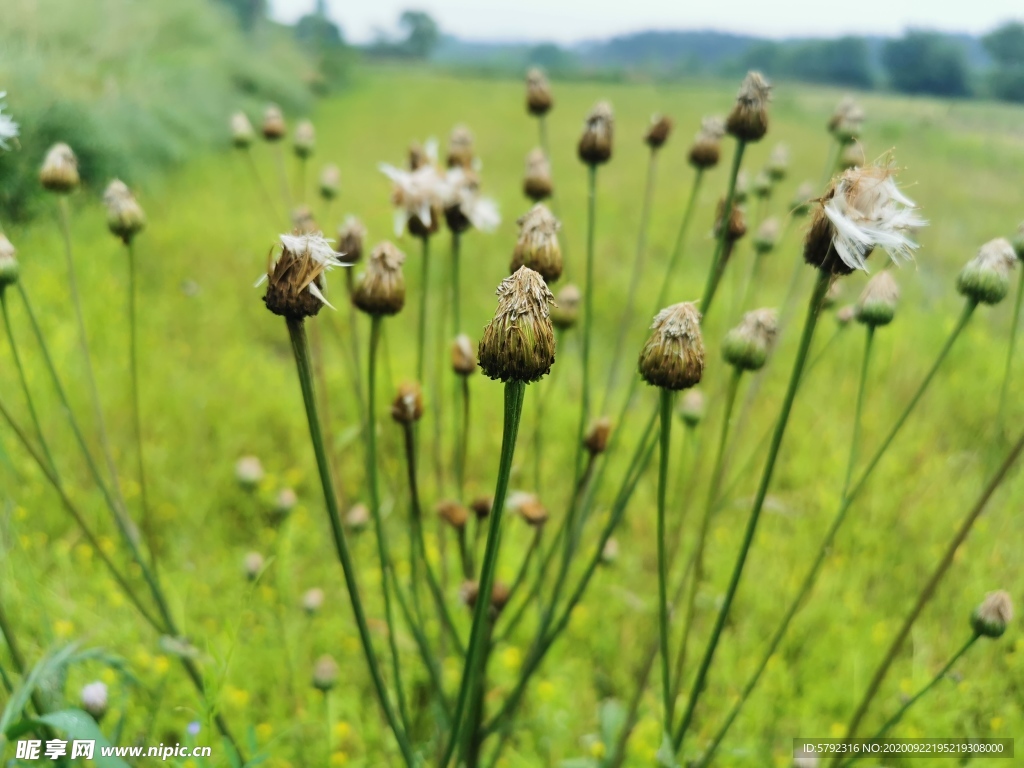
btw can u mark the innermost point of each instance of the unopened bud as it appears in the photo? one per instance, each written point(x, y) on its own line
point(991, 617)
point(986, 277)
point(852, 156)
point(273, 128)
point(596, 439)
point(9, 268)
point(877, 304)
point(778, 163)
point(595, 145)
point(381, 288)
point(801, 204)
point(460, 148)
point(357, 518)
point(846, 121)
point(325, 673)
point(519, 342)
point(481, 507)
point(313, 600)
point(305, 139)
point(741, 189)
point(248, 472)
point(566, 310)
point(284, 503)
point(538, 93)
point(846, 315)
point(658, 131)
point(125, 218)
point(330, 182)
point(60, 170)
point(673, 357)
point(767, 236)
point(537, 246)
point(351, 236)
point(692, 407)
point(242, 133)
point(452, 513)
point(737, 222)
point(470, 591)
point(463, 355)
point(528, 506)
point(762, 186)
point(706, 150)
point(94, 699)
point(748, 120)
point(748, 345)
point(253, 564)
point(537, 183)
point(408, 405)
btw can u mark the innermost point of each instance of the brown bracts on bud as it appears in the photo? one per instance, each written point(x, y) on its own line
point(567, 307)
point(460, 148)
point(658, 131)
point(381, 288)
point(748, 120)
point(538, 93)
point(351, 237)
point(706, 150)
point(537, 246)
point(528, 506)
point(737, 222)
point(673, 357)
point(481, 507)
point(60, 170)
point(537, 183)
point(452, 513)
point(125, 218)
point(519, 342)
point(595, 145)
point(408, 405)
point(273, 127)
point(295, 281)
point(463, 356)
point(596, 439)
point(470, 590)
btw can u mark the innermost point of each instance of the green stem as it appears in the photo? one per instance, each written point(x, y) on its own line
point(869, 336)
point(271, 207)
point(813, 310)
point(1013, 344)
point(514, 392)
point(300, 348)
point(421, 340)
point(456, 285)
point(588, 316)
point(147, 519)
point(282, 173)
point(717, 268)
point(666, 670)
point(7, 630)
point(678, 248)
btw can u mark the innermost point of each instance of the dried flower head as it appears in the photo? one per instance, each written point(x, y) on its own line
point(295, 280)
point(538, 93)
point(986, 277)
point(737, 221)
point(519, 342)
point(408, 405)
point(419, 198)
point(242, 133)
point(305, 139)
point(94, 699)
point(748, 345)
point(567, 307)
point(60, 170)
point(248, 472)
point(528, 506)
point(125, 218)
point(610, 551)
point(312, 600)
point(692, 407)
point(452, 513)
point(778, 163)
point(357, 518)
point(9, 268)
point(706, 150)
point(470, 590)
point(767, 236)
point(460, 148)
point(464, 206)
point(846, 315)
point(330, 181)
point(351, 237)
point(537, 246)
point(381, 288)
point(862, 209)
point(481, 507)
point(463, 355)
point(273, 128)
point(748, 120)
point(991, 617)
point(658, 131)
point(537, 183)
point(802, 199)
point(596, 439)
point(762, 186)
point(877, 304)
point(253, 565)
point(852, 156)
point(673, 357)
point(595, 145)
point(325, 673)
point(8, 128)
point(847, 120)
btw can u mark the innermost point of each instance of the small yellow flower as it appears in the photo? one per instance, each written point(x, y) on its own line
point(545, 690)
point(597, 749)
point(63, 628)
point(83, 552)
point(339, 758)
point(264, 731)
point(237, 697)
point(995, 724)
point(837, 731)
point(342, 730)
point(511, 658)
point(161, 665)
point(20, 513)
point(108, 676)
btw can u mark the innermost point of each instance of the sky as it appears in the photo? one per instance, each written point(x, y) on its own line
point(568, 21)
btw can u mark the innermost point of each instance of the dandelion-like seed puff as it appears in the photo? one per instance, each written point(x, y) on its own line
point(419, 198)
point(295, 282)
point(8, 128)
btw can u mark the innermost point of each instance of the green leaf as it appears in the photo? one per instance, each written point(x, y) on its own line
point(79, 725)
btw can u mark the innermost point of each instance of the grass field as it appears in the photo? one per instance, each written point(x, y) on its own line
point(219, 382)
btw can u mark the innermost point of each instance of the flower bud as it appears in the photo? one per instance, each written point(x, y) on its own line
point(9, 268)
point(303, 221)
point(125, 218)
point(1018, 242)
point(313, 600)
point(852, 156)
point(273, 128)
point(595, 145)
point(748, 345)
point(330, 182)
point(537, 183)
point(877, 304)
point(419, 157)
point(519, 342)
point(538, 93)
point(248, 472)
point(481, 507)
point(94, 699)
point(351, 235)
point(748, 120)
point(596, 439)
point(253, 564)
point(846, 121)
point(305, 139)
point(673, 357)
point(692, 407)
point(778, 163)
point(991, 617)
point(460, 148)
point(284, 503)
point(537, 246)
point(357, 518)
point(762, 186)
point(740, 191)
point(835, 290)
point(767, 236)
point(463, 355)
point(528, 506)
point(706, 149)
point(453, 513)
point(802, 199)
point(408, 405)
point(470, 590)
point(737, 222)
point(846, 315)
point(658, 131)
point(242, 133)
point(381, 288)
point(60, 170)
point(567, 307)
point(986, 277)
point(325, 673)
point(610, 551)
point(295, 281)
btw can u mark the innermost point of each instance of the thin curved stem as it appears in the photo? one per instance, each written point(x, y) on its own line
point(421, 338)
point(1013, 343)
point(717, 266)
point(588, 321)
point(147, 519)
point(666, 665)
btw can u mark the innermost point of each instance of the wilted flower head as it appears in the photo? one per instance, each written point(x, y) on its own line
point(452, 513)
point(330, 181)
point(9, 268)
point(658, 131)
point(460, 148)
point(767, 236)
point(463, 355)
point(537, 183)
point(124, 214)
point(595, 145)
point(877, 304)
point(748, 120)
point(273, 127)
point(295, 280)
point(538, 93)
point(381, 288)
point(862, 209)
point(846, 121)
point(325, 673)
point(481, 507)
point(762, 186)
point(707, 146)
point(986, 277)
point(408, 405)
point(464, 206)
point(357, 518)
point(692, 407)
point(60, 169)
point(596, 438)
point(537, 246)
point(312, 600)
point(305, 139)
point(737, 221)
point(566, 310)
point(778, 163)
point(8, 128)
point(419, 198)
point(470, 590)
point(94, 699)
point(673, 357)
point(351, 237)
point(995, 612)
point(252, 564)
point(748, 345)
point(519, 342)
point(802, 200)
point(242, 132)
point(528, 506)
point(248, 472)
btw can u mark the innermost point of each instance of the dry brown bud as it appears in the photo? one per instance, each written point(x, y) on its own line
point(463, 355)
point(595, 145)
point(470, 590)
point(519, 342)
point(567, 307)
point(381, 288)
point(537, 183)
point(748, 120)
point(596, 439)
point(408, 405)
point(351, 236)
point(460, 148)
point(537, 246)
point(481, 507)
point(538, 93)
point(295, 281)
point(706, 150)
point(273, 127)
point(673, 357)
point(452, 513)
point(303, 221)
point(658, 131)
point(60, 170)
point(737, 222)
point(529, 507)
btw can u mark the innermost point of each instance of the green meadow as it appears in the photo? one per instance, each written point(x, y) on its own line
point(218, 382)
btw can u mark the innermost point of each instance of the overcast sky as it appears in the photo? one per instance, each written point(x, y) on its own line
point(572, 20)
